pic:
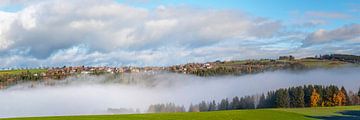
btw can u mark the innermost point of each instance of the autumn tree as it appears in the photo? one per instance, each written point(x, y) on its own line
point(354, 98)
point(314, 99)
point(330, 94)
point(339, 99)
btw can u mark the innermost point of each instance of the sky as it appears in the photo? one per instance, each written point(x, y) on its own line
point(35, 33)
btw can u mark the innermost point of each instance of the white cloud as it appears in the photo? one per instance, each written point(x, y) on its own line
point(59, 25)
point(345, 33)
point(104, 32)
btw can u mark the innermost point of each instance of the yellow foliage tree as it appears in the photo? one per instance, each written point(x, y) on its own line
point(339, 98)
point(314, 98)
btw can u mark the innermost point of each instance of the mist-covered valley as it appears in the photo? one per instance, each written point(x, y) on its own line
point(84, 94)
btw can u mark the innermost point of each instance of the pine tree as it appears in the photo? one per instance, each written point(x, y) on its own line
point(212, 106)
point(262, 101)
point(194, 108)
point(282, 98)
point(191, 108)
point(270, 99)
point(296, 95)
point(235, 104)
point(330, 94)
point(347, 98)
point(292, 96)
point(224, 104)
point(203, 106)
point(307, 94)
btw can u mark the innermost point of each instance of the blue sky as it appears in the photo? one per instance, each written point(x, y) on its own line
point(275, 9)
point(167, 32)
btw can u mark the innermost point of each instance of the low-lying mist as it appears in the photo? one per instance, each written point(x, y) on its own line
point(96, 94)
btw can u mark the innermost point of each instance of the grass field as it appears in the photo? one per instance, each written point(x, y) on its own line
point(19, 71)
point(321, 63)
point(306, 62)
point(351, 113)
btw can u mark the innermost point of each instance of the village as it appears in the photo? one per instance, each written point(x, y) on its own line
point(233, 67)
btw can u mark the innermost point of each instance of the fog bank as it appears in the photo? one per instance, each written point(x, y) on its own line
point(95, 94)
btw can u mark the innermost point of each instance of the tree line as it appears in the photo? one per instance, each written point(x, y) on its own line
point(293, 97)
point(168, 107)
point(247, 68)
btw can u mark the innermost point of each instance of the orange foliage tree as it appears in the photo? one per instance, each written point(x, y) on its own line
point(339, 98)
point(314, 98)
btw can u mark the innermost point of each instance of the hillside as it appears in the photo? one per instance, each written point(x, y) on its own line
point(235, 67)
point(344, 112)
point(241, 67)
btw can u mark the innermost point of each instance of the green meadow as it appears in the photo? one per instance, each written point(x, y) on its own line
point(20, 71)
point(343, 112)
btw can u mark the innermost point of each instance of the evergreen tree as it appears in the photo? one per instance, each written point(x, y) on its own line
point(194, 108)
point(262, 101)
point(235, 104)
point(292, 96)
point(307, 93)
point(299, 97)
point(270, 100)
point(212, 106)
point(282, 98)
point(330, 94)
point(249, 102)
point(203, 106)
point(191, 108)
point(224, 104)
point(347, 98)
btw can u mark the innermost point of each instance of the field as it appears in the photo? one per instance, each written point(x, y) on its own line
point(321, 63)
point(346, 113)
point(20, 71)
point(306, 62)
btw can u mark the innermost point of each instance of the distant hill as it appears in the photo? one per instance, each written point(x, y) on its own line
point(241, 67)
point(342, 57)
point(234, 67)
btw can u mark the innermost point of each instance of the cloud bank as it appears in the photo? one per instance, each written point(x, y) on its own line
point(94, 32)
point(94, 95)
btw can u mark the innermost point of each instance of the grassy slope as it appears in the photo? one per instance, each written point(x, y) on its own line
point(306, 62)
point(19, 71)
point(321, 111)
point(260, 114)
point(321, 63)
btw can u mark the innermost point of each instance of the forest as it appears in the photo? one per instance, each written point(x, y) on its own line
point(292, 97)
